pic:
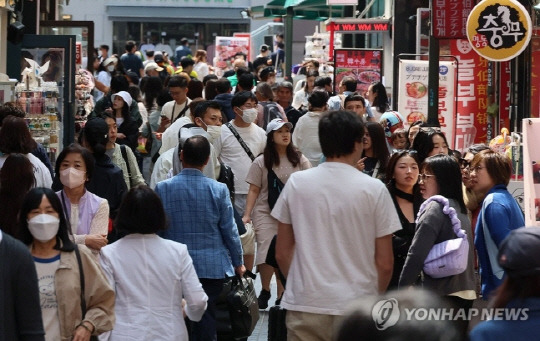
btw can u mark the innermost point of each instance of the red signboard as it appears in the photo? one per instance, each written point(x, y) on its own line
point(504, 95)
point(364, 65)
point(359, 27)
point(471, 118)
point(78, 53)
point(449, 18)
point(535, 77)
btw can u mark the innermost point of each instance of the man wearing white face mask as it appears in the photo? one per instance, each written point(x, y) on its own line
point(208, 117)
point(229, 147)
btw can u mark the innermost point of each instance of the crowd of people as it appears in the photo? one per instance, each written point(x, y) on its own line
point(337, 188)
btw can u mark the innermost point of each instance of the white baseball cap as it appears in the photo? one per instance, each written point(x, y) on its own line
point(276, 124)
point(152, 66)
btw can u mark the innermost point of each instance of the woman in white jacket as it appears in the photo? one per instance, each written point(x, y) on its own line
point(150, 275)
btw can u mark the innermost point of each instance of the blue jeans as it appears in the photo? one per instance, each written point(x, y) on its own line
point(205, 329)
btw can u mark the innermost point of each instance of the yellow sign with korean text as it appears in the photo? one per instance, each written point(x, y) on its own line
point(499, 30)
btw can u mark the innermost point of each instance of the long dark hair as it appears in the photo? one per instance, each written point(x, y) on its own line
point(448, 176)
point(271, 156)
point(381, 100)
point(31, 201)
point(16, 179)
point(151, 91)
point(15, 136)
point(378, 143)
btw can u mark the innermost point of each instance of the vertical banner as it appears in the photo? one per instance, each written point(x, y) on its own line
point(226, 48)
point(413, 99)
point(531, 165)
point(504, 94)
point(364, 65)
point(535, 76)
point(471, 119)
point(450, 18)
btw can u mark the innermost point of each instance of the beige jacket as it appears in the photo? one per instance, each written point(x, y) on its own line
point(99, 295)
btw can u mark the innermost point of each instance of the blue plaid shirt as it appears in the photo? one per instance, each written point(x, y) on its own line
point(201, 216)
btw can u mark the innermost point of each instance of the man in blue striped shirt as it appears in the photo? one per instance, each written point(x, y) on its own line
point(201, 216)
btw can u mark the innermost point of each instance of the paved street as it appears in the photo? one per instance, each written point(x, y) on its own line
point(261, 331)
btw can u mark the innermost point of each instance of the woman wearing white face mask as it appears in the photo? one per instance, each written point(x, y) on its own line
point(44, 229)
point(87, 213)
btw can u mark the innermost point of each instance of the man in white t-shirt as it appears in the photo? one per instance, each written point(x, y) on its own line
point(335, 229)
point(176, 112)
point(231, 152)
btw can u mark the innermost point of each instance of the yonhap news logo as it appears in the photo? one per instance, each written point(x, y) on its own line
point(385, 313)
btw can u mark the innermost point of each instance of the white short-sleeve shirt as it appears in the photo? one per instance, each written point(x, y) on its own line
point(336, 213)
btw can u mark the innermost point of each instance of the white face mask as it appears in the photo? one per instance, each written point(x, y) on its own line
point(249, 115)
point(72, 178)
point(110, 68)
point(214, 132)
point(43, 227)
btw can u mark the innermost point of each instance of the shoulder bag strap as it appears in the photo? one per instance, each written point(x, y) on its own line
point(81, 277)
point(240, 140)
point(67, 215)
point(182, 112)
point(491, 247)
point(125, 157)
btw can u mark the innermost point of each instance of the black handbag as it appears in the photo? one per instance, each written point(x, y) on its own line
point(243, 306)
point(81, 277)
point(275, 186)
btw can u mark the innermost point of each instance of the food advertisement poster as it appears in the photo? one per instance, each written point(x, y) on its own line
point(531, 165)
point(535, 75)
point(226, 48)
point(364, 65)
point(413, 99)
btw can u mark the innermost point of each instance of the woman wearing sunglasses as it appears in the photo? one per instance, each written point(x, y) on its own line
point(441, 176)
point(499, 214)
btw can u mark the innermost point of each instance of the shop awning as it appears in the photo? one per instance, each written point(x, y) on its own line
point(303, 9)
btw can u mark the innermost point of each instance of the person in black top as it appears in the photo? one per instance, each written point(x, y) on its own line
point(402, 183)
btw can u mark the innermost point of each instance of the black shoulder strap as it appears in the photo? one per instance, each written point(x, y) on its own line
point(125, 157)
point(181, 113)
point(81, 278)
point(240, 140)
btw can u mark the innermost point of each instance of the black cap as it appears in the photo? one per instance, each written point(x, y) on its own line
point(266, 71)
point(133, 77)
point(158, 58)
point(264, 48)
point(519, 253)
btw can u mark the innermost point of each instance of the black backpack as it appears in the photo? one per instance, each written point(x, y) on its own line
point(271, 111)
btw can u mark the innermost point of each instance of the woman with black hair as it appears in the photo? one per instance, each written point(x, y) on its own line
point(428, 142)
point(438, 219)
point(402, 183)
point(45, 230)
point(378, 99)
point(107, 181)
point(375, 155)
point(128, 130)
point(301, 97)
point(281, 158)
point(16, 179)
point(87, 213)
point(154, 278)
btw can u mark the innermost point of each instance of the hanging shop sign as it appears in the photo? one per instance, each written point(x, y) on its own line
point(499, 30)
point(413, 99)
point(471, 94)
point(535, 77)
point(450, 18)
point(364, 65)
point(357, 25)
